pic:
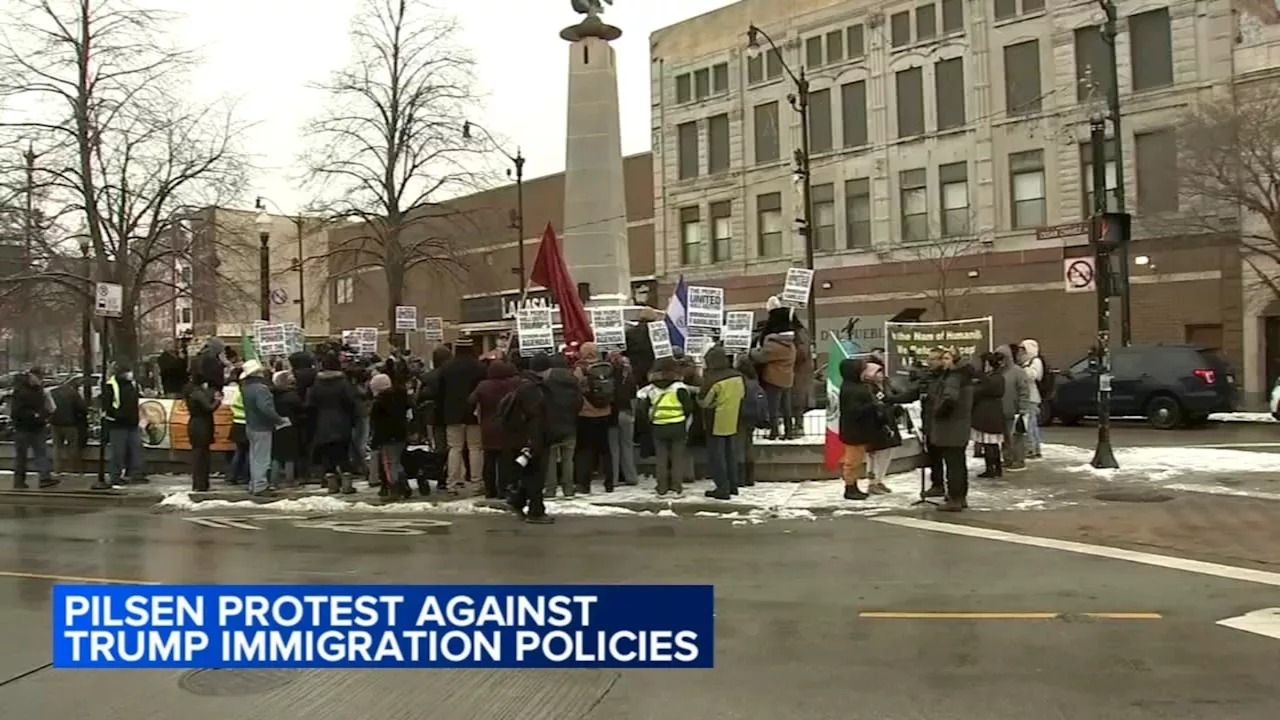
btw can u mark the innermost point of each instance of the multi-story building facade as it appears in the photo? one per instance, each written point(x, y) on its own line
point(950, 165)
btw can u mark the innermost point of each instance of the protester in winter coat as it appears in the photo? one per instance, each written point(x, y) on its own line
point(596, 378)
point(622, 427)
point(721, 394)
point(303, 366)
point(1016, 401)
point(564, 402)
point(486, 398)
point(202, 401)
point(120, 417)
point(260, 423)
point(867, 420)
point(988, 417)
point(427, 401)
point(286, 442)
point(213, 364)
point(668, 403)
point(531, 430)
point(457, 381)
point(70, 424)
point(802, 388)
point(755, 410)
point(1033, 365)
point(778, 355)
point(30, 408)
point(946, 398)
point(389, 434)
point(859, 426)
point(332, 403)
point(639, 348)
point(359, 377)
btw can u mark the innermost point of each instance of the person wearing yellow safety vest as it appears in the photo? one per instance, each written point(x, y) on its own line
point(668, 404)
point(232, 397)
point(120, 420)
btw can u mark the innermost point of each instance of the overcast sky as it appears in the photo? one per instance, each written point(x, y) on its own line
point(265, 52)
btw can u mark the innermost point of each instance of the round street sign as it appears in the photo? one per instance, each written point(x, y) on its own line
point(1079, 275)
point(279, 296)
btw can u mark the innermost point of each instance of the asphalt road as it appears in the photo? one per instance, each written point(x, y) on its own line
point(1258, 437)
point(791, 638)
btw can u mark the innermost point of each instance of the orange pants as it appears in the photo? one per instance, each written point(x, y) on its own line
point(851, 463)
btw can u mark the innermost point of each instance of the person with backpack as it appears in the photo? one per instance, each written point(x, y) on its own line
point(622, 426)
point(755, 415)
point(31, 407)
point(668, 404)
point(595, 376)
point(530, 425)
point(721, 395)
point(564, 402)
point(487, 396)
point(1041, 391)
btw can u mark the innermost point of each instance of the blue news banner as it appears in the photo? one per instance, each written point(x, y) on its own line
point(384, 626)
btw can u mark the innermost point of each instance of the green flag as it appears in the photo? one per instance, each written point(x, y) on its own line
point(247, 349)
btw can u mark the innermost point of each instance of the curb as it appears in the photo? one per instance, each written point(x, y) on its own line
point(76, 498)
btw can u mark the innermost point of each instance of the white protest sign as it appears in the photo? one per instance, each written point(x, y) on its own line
point(350, 338)
point(797, 287)
point(610, 328)
point(406, 318)
point(108, 300)
point(271, 340)
point(433, 329)
point(697, 346)
point(660, 339)
point(366, 340)
point(737, 331)
point(704, 307)
point(533, 328)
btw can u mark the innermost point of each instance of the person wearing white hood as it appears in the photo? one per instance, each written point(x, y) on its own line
point(1033, 365)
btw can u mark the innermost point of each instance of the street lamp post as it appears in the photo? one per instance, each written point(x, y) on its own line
point(800, 102)
point(517, 221)
point(1109, 32)
point(298, 225)
point(263, 223)
point(1100, 234)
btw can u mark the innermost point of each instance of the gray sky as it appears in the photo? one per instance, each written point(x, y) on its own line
point(265, 52)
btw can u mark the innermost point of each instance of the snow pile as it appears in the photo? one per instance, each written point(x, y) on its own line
point(327, 505)
point(1163, 463)
point(1245, 417)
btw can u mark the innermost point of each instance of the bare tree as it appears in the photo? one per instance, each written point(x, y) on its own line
point(124, 160)
point(941, 254)
point(1229, 175)
point(388, 149)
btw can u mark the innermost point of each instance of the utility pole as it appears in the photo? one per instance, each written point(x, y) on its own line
point(1109, 32)
point(28, 239)
point(1100, 234)
point(298, 223)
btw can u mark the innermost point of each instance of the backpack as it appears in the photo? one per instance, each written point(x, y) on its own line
point(1046, 382)
point(511, 418)
point(600, 384)
point(755, 407)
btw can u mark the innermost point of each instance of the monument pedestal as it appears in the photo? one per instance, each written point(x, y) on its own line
point(595, 210)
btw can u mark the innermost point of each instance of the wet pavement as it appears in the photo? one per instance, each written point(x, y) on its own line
point(792, 640)
point(1259, 437)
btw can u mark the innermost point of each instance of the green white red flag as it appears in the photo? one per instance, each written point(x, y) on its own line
point(834, 448)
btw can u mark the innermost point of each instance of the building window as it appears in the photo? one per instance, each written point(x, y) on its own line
point(717, 144)
point(769, 221)
point(720, 78)
point(950, 89)
point(813, 52)
point(684, 88)
point(687, 142)
point(702, 84)
point(900, 29)
point(1009, 8)
point(1151, 49)
point(926, 21)
point(184, 315)
point(854, 38)
point(1026, 173)
point(755, 70)
point(910, 101)
point(1157, 170)
point(344, 290)
point(953, 181)
point(185, 274)
point(835, 47)
point(690, 236)
point(915, 205)
point(721, 231)
point(1022, 78)
point(857, 213)
point(952, 16)
point(824, 216)
point(772, 64)
point(820, 121)
point(1086, 176)
point(853, 115)
point(766, 130)
point(1093, 79)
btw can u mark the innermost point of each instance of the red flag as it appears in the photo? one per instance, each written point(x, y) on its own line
point(550, 272)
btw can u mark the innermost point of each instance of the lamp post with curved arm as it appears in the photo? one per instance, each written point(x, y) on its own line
point(298, 222)
point(517, 221)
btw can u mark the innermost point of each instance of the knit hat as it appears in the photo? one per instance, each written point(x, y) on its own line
point(773, 303)
point(380, 383)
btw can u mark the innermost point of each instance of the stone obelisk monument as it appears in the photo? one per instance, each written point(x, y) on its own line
point(595, 209)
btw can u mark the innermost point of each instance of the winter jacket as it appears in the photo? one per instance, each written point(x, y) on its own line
point(457, 380)
point(624, 385)
point(723, 389)
point(588, 356)
point(173, 372)
point(639, 350)
point(988, 403)
point(30, 406)
point(487, 397)
point(200, 409)
point(564, 402)
point(650, 406)
point(332, 404)
point(69, 407)
point(1033, 366)
point(802, 387)
point(779, 360)
point(286, 442)
point(389, 417)
point(532, 426)
point(858, 424)
point(946, 403)
point(362, 394)
point(1017, 386)
point(210, 366)
point(259, 406)
point(122, 411)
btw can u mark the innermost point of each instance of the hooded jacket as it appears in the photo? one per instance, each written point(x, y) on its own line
point(946, 403)
point(259, 406)
point(428, 400)
point(286, 441)
point(780, 360)
point(332, 405)
point(802, 387)
point(30, 407)
point(865, 419)
point(389, 417)
point(588, 355)
point(69, 407)
point(201, 404)
point(563, 403)
point(457, 380)
point(487, 397)
point(1017, 386)
point(722, 391)
point(665, 377)
point(988, 403)
point(1033, 365)
point(212, 370)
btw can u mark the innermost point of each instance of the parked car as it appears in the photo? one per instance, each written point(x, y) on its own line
point(1169, 385)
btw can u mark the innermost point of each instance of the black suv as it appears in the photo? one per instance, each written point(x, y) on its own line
point(1167, 384)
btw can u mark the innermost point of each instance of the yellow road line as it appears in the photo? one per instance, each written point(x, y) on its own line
point(950, 615)
point(73, 579)
point(1126, 615)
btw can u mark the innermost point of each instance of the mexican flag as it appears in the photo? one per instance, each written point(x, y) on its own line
point(835, 449)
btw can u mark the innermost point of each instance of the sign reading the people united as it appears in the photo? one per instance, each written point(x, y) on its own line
point(909, 344)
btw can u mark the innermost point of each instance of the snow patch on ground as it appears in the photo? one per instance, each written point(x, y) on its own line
point(1164, 463)
point(1246, 417)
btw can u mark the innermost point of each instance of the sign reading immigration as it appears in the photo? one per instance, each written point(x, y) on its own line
point(908, 344)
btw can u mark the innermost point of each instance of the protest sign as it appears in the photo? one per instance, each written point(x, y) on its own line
point(366, 340)
point(660, 339)
point(533, 327)
point(610, 328)
point(270, 340)
point(406, 318)
point(704, 307)
point(350, 338)
point(797, 287)
point(737, 331)
point(696, 346)
point(433, 329)
point(908, 344)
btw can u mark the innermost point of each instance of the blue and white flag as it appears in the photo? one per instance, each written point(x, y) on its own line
point(677, 324)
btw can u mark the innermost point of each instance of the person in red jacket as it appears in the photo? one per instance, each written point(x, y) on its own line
point(497, 474)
